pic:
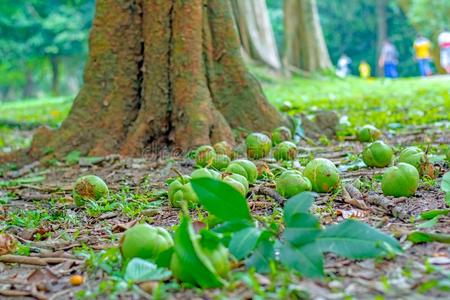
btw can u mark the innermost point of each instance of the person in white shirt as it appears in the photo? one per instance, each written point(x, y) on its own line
point(444, 45)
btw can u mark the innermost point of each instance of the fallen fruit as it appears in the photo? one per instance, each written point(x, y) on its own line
point(8, 244)
point(281, 134)
point(220, 162)
point(76, 280)
point(204, 172)
point(236, 185)
point(323, 174)
point(145, 241)
point(89, 187)
point(236, 168)
point(291, 183)
point(241, 179)
point(180, 190)
point(258, 145)
point(249, 167)
point(400, 181)
point(368, 133)
point(377, 154)
point(224, 148)
point(285, 151)
point(204, 155)
point(413, 156)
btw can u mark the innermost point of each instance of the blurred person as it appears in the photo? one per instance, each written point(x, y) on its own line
point(422, 48)
point(389, 59)
point(364, 69)
point(343, 65)
point(444, 45)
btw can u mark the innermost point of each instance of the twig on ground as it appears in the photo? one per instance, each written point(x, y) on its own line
point(351, 200)
point(36, 261)
point(261, 190)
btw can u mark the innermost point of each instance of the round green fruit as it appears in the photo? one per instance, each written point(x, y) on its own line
point(281, 134)
point(285, 151)
point(400, 181)
point(180, 190)
point(323, 174)
point(251, 172)
point(89, 187)
point(241, 179)
point(291, 183)
point(224, 148)
point(220, 162)
point(413, 156)
point(258, 145)
point(145, 241)
point(204, 155)
point(377, 154)
point(236, 185)
point(368, 133)
point(204, 172)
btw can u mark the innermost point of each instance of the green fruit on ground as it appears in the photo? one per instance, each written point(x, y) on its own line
point(368, 133)
point(281, 134)
point(249, 167)
point(242, 179)
point(258, 145)
point(323, 174)
point(291, 183)
point(400, 181)
point(89, 187)
point(204, 172)
point(219, 259)
point(224, 148)
point(204, 155)
point(180, 190)
point(413, 156)
point(236, 185)
point(377, 154)
point(145, 241)
point(220, 162)
point(236, 168)
point(285, 151)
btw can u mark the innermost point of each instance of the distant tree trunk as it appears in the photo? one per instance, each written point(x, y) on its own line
point(255, 32)
point(54, 62)
point(305, 44)
point(161, 74)
point(28, 87)
point(381, 30)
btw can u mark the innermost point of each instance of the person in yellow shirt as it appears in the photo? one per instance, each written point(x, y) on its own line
point(364, 69)
point(422, 48)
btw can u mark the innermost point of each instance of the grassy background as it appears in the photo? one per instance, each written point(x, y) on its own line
point(384, 103)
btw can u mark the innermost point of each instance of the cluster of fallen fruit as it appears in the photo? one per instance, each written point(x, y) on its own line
point(216, 163)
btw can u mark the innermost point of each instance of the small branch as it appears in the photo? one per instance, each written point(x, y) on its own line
point(261, 190)
point(36, 261)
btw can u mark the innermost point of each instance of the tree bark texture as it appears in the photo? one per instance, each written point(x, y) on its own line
point(255, 32)
point(305, 44)
point(161, 73)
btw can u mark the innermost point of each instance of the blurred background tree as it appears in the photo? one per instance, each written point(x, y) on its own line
point(43, 44)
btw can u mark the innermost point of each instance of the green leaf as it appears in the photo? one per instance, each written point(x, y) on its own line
point(73, 157)
point(301, 229)
point(447, 198)
point(300, 203)
point(354, 239)
point(163, 259)
point(431, 214)
point(191, 256)
point(429, 223)
point(262, 256)
point(221, 200)
point(139, 269)
point(307, 260)
point(445, 184)
point(233, 226)
point(425, 237)
point(243, 242)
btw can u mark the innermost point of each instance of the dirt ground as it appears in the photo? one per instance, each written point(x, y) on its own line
point(55, 240)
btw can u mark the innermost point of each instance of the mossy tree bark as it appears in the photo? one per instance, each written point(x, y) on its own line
point(160, 73)
point(256, 33)
point(305, 47)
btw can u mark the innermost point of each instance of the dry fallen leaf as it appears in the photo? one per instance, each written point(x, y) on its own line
point(7, 244)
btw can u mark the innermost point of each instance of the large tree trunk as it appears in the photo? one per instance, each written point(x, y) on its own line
point(381, 30)
point(255, 32)
point(161, 73)
point(305, 44)
point(54, 63)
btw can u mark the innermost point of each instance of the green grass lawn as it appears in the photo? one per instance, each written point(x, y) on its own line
point(384, 103)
